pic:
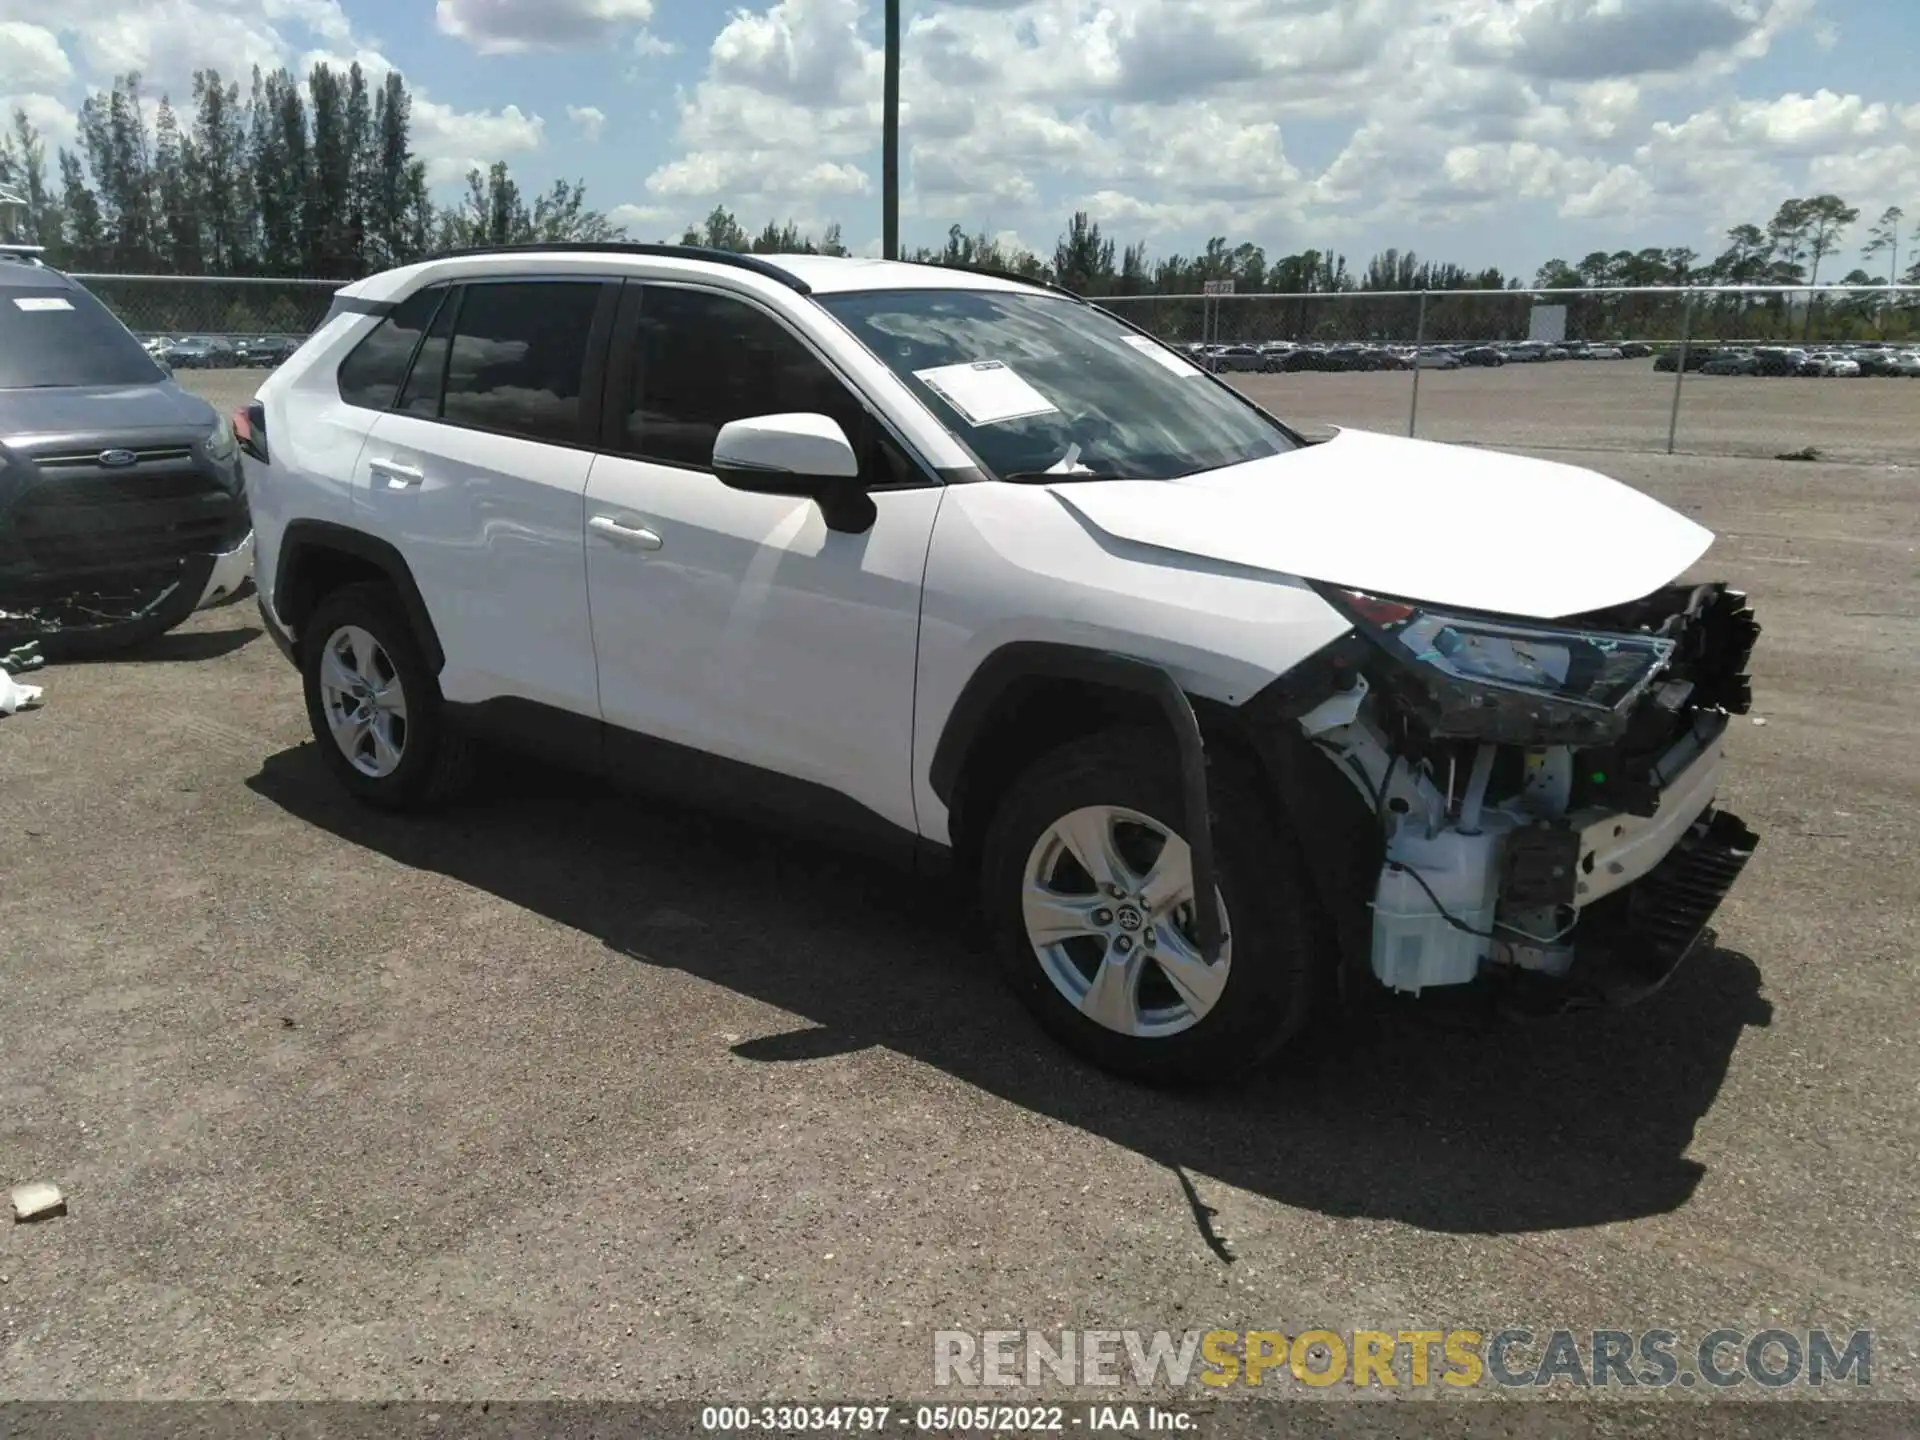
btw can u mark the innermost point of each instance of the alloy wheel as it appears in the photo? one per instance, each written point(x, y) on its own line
point(1108, 904)
point(365, 704)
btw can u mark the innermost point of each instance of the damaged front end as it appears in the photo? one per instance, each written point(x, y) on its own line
point(98, 545)
point(1542, 791)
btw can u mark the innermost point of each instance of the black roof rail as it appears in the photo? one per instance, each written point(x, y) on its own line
point(995, 273)
point(734, 258)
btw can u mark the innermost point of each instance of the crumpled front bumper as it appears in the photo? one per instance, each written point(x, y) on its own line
point(230, 572)
point(1630, 942)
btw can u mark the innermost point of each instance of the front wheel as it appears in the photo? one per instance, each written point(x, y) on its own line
point(1088, 887)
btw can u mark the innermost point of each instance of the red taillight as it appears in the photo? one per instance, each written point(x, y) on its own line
point(1375, 611)
point(250, 429)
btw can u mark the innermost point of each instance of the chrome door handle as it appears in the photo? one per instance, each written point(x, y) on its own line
point(637, 536)
point(395, 474)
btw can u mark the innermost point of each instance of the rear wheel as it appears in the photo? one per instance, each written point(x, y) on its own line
point(1088, 886)
point(375, 705)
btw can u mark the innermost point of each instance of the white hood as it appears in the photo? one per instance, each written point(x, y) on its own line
point(1447, 524)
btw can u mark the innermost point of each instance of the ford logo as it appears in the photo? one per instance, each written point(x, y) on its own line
point(117, 459)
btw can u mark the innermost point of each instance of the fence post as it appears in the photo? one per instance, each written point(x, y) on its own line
point(1419, 334)
point(1680, 369)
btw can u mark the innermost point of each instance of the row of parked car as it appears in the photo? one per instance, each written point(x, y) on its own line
point(220, 352)
point(1843, 360)
point(1279, 356)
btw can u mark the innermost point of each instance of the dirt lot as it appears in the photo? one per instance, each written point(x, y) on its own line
point(567, 1094)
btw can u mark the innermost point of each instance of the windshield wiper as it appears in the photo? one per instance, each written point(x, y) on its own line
point(1049, 477)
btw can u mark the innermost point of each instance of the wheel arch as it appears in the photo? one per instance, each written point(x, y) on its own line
point(319, 556)
point(1030, 697)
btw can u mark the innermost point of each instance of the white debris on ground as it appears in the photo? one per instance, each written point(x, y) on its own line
point(37, 1201)
point(13, 694)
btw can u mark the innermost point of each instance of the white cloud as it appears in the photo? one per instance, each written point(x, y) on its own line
point(1175, 115)
point(166, 41)
point(785, 117)
point(497, 27)
point(31, 57)
point(453, 142)
point(647, 222)
point(52, 117)
point(1597, 39)
point(590, 119)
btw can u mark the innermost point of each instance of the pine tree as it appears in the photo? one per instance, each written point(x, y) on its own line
point(222, 182)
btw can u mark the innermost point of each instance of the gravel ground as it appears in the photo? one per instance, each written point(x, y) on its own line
point(567, 1094)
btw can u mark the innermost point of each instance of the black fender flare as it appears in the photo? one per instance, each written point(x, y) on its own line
point(302, 540)
point(1024, 659)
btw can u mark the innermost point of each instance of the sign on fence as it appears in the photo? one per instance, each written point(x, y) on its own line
point(1547, 324)
point(1219, 287)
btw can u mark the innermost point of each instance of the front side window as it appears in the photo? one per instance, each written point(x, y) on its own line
point(1037, 383)
point(707, 359)
point(370, 376)
point(518, 353)
point(52, 337)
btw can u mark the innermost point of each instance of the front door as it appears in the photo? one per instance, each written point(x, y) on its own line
point(735, 624)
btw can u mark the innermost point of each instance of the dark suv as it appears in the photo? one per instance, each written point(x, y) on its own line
point(122, 507)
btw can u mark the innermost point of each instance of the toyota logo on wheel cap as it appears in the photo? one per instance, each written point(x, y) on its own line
point(117, 459)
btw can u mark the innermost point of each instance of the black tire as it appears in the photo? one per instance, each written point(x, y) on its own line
point(436, 762)
point(99, 642)
point(1275, 972)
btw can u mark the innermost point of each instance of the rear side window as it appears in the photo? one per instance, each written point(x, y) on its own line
point(518, 352)
point(708, 359)
point(370, 376)
point(421, 394)
point(53, 336)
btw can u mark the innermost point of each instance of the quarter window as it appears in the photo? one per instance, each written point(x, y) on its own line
point(707, 359)
point(517, 356)
point(421, 394)
point(370, 376)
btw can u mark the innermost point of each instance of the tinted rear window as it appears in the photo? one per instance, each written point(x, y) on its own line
point(519, 349)
point(370, 376)
point(58, 337)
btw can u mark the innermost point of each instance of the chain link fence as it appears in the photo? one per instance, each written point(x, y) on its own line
point(1768, 370)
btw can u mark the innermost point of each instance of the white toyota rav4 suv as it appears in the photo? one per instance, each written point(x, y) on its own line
point(1223, 721)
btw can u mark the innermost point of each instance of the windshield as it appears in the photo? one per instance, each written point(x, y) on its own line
point(56, 337)
point(1039, 384)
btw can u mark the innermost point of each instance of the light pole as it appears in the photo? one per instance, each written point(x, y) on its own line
point(890, 139)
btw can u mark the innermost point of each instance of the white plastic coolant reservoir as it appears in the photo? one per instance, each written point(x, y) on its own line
point(1413, 945)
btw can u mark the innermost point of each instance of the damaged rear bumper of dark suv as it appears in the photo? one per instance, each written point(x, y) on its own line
point(96, 543)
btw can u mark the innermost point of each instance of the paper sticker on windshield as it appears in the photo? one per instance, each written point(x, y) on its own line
point(43, 302)
point(986, 392)
point(1161, 355)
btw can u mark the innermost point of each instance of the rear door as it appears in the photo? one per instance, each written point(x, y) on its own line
point(478, 475)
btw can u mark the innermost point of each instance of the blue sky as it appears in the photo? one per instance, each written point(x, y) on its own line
point(1482, 131)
